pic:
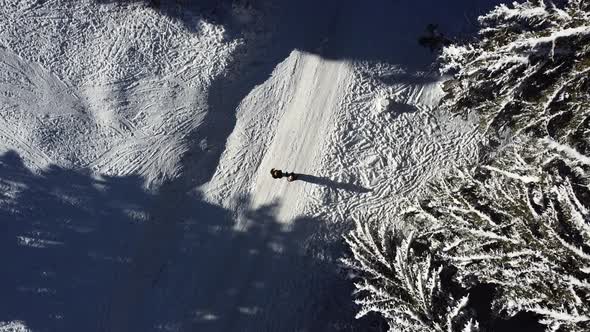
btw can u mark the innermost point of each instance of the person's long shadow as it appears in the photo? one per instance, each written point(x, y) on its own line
point(322, 181)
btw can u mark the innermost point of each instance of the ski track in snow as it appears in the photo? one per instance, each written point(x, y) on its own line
point(390, 152)
point(318, 117)
point(299, 105)
point(97, 91)
point(120, 90)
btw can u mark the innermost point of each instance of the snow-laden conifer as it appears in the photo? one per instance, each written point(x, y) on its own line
point(402, 285)
point(519, 218)
point(529, 71)
point(521, 223)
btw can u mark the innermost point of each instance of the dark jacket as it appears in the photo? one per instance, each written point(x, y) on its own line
point(276, 173)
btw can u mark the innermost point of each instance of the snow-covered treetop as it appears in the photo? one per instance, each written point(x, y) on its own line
point(519, 218)
point(529, 71)
point(402, 285)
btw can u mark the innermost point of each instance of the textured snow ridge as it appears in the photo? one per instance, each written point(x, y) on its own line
point(112, 87)
point(356, 142)
point(392, 151)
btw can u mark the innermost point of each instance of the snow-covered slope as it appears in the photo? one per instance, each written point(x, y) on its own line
point(324, 118)
point(111, 87)
point(98, 99)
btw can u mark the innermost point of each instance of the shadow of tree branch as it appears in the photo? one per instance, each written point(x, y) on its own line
point(101, 253)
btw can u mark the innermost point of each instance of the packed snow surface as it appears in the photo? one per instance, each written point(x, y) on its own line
point(136, 141)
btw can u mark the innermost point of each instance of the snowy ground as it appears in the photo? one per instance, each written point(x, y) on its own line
point(136, 147)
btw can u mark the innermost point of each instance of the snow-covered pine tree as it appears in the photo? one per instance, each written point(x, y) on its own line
point(401, 285)
point(520, 220)
point(521, 223)
point(529, 71)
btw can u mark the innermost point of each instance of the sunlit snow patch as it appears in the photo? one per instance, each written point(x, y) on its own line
point(14, 326)
point(382, 104)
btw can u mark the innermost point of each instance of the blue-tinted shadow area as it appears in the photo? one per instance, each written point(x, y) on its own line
point(81, 253)
point(63, 234)
point(372, 30)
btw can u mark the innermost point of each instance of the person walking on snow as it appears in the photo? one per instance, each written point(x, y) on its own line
point(277, 174)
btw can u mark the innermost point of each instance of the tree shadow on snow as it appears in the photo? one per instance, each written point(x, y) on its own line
point(332, 29)
point(189, 12)
point(86, 253)
point(64, 237)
